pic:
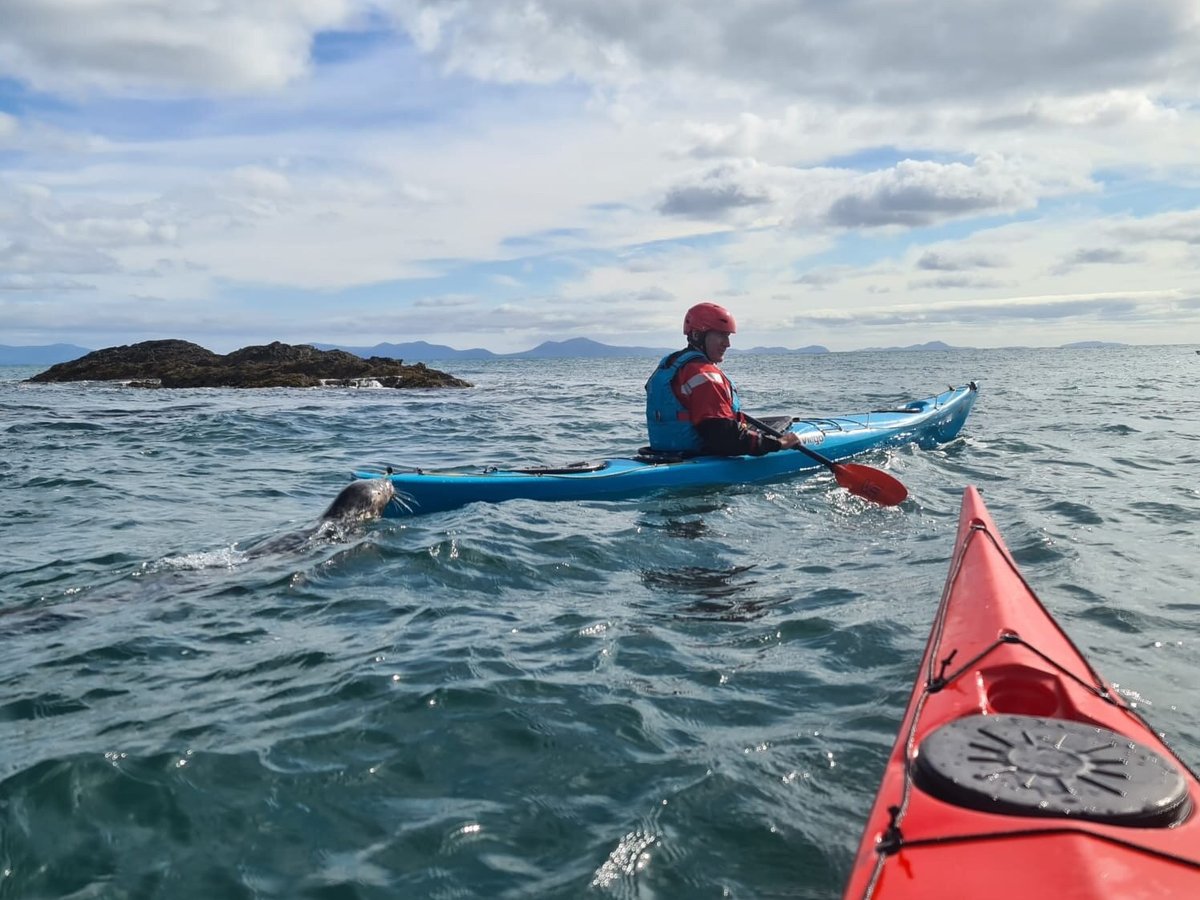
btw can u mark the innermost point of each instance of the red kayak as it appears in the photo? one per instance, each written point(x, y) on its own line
point(1018, 771)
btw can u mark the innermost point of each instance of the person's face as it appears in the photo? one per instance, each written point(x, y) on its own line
point(715, 345)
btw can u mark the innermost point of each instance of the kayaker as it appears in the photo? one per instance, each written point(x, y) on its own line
point(692, 407)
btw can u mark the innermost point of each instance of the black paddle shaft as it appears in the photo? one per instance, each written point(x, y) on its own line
point(774, 432)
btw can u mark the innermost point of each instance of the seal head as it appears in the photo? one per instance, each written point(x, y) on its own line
point(361, 500)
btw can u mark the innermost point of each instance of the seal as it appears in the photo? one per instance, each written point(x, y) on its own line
point(361, 500)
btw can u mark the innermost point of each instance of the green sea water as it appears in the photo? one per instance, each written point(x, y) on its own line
point(680, 696)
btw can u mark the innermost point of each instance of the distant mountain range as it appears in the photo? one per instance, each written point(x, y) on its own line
point(914, 348)
point(575, 348)
point(422, 351)
point(44, 355)
point(584, 348)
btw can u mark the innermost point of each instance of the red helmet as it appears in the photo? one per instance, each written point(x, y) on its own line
point(708, 317)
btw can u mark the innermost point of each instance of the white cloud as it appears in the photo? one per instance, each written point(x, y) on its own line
point(951, 49)
point(1104, 110)
point(918, 193)
point(940, 261)
point(1182, 227)
point(1032, 309)
point(716, 192)
point(127, 45)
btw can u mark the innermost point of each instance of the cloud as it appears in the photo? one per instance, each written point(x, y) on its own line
point(749, 135)
point(1071, 61)
point(17, 282)
point(1182, 227)
point(1105, 109)
point(919, 193)
point(42, 242)
point(951, 49)
point(171, 47)
point(944, 261)
point(956, 283)
point(1090, 256)
point(717, 191)
point(910, 194)
point(826, 276)
point(1146, 305)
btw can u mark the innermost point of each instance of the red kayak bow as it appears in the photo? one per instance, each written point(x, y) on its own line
point(1018, 771)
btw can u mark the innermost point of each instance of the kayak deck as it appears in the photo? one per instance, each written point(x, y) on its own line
point(1017, 769)
point(926, 422)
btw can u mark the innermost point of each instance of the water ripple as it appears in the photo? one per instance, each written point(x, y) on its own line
point(682, 695)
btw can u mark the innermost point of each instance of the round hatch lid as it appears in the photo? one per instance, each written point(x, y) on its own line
point(1031, 766)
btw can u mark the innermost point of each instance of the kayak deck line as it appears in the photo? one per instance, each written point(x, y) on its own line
point(829, 424)
point(935, 683)
point(1021, 768)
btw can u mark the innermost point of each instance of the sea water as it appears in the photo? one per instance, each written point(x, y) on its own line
point(684, 695)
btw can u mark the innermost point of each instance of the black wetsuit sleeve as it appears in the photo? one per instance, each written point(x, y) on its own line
point(728, 437)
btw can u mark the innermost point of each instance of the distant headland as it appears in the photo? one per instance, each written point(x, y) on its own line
point(181, 364)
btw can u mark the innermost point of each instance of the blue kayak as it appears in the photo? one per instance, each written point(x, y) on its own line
point(926, 422)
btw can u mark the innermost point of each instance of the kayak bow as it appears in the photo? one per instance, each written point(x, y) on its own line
point(1018, 771)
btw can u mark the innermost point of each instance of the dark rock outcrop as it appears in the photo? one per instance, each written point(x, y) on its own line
point(178, 364)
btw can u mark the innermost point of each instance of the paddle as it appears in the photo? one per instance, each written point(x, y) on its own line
point(862, 481)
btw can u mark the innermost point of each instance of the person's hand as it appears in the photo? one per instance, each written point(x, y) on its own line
point(789, 439)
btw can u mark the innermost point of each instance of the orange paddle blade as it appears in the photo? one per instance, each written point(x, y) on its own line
point(862, 481)
point(870, 484)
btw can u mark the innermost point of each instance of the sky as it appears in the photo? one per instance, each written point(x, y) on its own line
point(497, 173)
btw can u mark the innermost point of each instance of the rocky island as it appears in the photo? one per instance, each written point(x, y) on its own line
point(181, 364)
